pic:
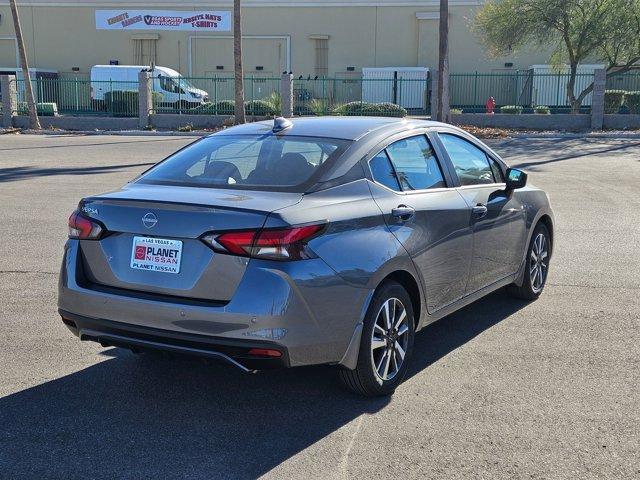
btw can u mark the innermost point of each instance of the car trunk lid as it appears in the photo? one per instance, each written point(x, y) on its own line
point(175, 218)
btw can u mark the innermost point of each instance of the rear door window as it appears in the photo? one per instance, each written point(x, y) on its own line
point(415, 164)
point(383, 172)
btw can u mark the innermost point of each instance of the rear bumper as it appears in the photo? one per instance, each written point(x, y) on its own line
point(234, 352)
point(302, 309)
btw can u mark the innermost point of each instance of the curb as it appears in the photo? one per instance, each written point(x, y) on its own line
point(620, 135)
point(122, 133)
point(570, 135)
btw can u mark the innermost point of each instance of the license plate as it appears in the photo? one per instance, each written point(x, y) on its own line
point(156, 254)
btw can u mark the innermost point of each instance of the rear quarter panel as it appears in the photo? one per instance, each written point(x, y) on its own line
point(357, 244)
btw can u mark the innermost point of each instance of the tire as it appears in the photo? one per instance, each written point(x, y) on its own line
point(366, 379)
point(536, 265)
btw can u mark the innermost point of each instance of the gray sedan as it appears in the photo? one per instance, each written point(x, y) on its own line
point(311, 241)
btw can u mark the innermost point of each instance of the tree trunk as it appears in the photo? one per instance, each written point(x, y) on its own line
point(31, 102)
point(442, 115)
point(571, 85)
point(237, 57)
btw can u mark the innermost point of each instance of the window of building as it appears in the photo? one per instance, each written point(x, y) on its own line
point(145, 51)
point(322, 56)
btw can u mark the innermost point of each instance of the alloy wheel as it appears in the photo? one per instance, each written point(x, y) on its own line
point(538, 263)
point(389, 339)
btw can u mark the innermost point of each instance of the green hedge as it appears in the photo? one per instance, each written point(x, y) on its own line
point(613, 100)
point(512, 109)
point(124, 103)
point(542, 110)
point(632, 101)
point(44, 109)
point(260, 108)
point(373, 109)
point(225, 107)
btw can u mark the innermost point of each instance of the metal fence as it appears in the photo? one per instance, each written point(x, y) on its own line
point(358, 96)
point(628, 81)
point(80, 96)
point(216, 95)
point(350, 95)
point(470, 91)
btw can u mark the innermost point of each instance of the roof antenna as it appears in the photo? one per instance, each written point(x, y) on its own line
point(280, 124)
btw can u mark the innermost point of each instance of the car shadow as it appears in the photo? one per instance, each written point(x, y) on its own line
point(145, 417)
point(14, 174)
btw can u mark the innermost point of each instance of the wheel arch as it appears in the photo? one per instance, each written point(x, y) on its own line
point(409, 282)
point(411, 285)
point(547, 222)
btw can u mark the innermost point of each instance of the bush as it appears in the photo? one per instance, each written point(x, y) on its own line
point(391, 110)
point(124, 103)
point(512, 109)
point(374, 109)
point(225, 107)
point(455, 111)
point(356, 109)
point(542, 110)
point(260, 108)
point(318, 107)
point(276, 101)
point(613, 100)
point(632, 101)
point(43, 109)
point(121, 102)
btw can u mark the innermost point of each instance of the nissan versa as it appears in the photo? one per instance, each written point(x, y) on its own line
point(311, 241)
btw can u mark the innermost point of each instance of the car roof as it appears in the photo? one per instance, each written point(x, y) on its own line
point(346, 128)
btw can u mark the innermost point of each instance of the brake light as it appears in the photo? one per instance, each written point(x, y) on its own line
point(274, 244)
point(82, 228)
point(265, 352)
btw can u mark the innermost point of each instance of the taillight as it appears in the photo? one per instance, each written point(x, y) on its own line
point(274, 244)
point(82, 228)
point(265, 352)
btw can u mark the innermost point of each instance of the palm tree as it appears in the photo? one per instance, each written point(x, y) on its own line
point(31, 102)
point(442, 115)
point(237, 57)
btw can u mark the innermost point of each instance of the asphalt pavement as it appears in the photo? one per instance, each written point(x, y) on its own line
point(502, 389)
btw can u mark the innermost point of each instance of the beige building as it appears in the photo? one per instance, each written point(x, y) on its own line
point(307, 37)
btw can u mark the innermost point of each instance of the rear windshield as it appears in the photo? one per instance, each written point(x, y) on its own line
point(246, 162)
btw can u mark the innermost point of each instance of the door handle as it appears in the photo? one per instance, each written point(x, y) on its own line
point(479, 210)
point(403, 212)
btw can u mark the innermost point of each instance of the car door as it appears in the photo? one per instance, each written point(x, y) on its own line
point(497, 216)
point(426, 214)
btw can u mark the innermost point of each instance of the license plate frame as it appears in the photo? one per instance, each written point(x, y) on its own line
point(160, 255)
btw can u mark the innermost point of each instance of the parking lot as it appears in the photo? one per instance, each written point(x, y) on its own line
point(501, 389)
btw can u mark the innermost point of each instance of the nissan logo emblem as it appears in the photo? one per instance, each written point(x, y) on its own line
point(149, 220)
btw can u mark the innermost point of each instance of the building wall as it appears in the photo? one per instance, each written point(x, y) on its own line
point(62, 35)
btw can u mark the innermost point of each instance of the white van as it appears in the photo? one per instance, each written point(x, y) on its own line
point(175, 89)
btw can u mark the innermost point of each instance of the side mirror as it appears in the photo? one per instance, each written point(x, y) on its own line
point(515, 179)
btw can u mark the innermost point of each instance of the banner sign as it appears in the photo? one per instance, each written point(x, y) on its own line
point(163, 20)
